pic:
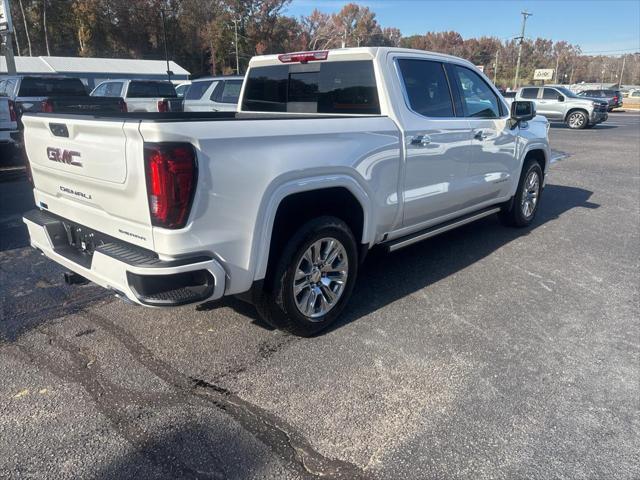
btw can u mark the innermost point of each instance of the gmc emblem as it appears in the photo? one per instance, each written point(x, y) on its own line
point(63, 156)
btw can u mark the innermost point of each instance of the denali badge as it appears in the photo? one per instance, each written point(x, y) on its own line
point(63, 156)
point(71, 191)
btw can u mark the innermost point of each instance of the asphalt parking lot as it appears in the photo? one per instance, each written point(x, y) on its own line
point(485, 353)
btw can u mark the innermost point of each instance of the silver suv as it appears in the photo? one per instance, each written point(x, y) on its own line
point(561, 104)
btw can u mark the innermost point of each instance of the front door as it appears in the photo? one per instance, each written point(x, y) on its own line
point(437, 143)
point(493, 163)
point(550, 104)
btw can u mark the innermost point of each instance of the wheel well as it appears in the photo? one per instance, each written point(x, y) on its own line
point(298, 208)
point(576, 110)
point(539, 156)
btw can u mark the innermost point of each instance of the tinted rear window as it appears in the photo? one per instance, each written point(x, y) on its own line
point(529, 93)
point(46, 87)
point(334, 87)
point(151, 90)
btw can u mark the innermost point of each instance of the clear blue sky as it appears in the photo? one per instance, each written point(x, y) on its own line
point(608, 27)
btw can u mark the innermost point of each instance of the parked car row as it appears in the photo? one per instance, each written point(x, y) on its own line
point(560, 104)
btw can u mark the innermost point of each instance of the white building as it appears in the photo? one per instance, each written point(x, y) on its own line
point(94, 70)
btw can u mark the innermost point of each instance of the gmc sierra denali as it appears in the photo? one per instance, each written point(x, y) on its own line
point(329, 154)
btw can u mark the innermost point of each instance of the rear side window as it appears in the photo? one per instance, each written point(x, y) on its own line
point(427, 89)
point(478, 99)
point(197, 89)
point(529, 93)
point(228, 92)
point(335, 87)
point(45, 87)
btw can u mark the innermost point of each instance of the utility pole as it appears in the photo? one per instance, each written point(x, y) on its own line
point(166, 53)
point(525, 15)
point(624, 58)
point(6, 29)
point(495, 67)
point(556, 70)
point(235, 27)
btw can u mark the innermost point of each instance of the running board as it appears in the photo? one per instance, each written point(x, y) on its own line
point(402, 242)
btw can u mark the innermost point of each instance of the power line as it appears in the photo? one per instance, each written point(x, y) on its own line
point(613, 51)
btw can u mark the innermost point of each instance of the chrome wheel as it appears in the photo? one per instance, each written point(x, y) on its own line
point(577, 120)
point(530, 193)
point(320, 278)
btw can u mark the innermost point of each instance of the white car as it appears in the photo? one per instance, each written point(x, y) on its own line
point(182, 89)
point(329, 154)
point(213, 94)
point(141, 95)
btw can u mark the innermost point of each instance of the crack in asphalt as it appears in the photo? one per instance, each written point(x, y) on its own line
point(111, 400)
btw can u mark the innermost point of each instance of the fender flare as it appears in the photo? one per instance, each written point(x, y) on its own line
point(274, 197)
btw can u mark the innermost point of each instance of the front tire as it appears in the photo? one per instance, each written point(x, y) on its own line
point(522, 210)
point(312, 280)
point(577, 120)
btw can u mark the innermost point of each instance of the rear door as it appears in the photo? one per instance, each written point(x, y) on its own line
point(91, 172)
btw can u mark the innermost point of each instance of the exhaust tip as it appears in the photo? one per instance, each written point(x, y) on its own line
point(72, 278)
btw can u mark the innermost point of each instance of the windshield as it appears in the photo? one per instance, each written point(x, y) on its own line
point(566, 92)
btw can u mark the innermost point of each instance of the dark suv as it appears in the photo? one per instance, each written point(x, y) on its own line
point(613, 97)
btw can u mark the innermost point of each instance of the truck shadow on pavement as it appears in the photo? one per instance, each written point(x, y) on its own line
point(387, 277)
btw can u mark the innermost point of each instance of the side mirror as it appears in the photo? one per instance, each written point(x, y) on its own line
point(560, 98)
point(522, 111)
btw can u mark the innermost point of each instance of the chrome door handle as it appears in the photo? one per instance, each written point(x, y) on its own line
point(420, 140)
point(480, 135)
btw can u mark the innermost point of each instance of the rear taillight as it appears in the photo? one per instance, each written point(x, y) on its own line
point(303, 57)
point(13, 116)
point(172, 174)
point(47, 106)
point(615, 99)
point(122, 105)
point(163, 106)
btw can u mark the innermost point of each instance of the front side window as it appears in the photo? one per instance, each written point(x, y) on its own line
point(478, 99)
point(113, 89)
point(427, 88)
point(531, 93)
point(197, 89)
point(100, 90)
point(229, 92)
point(550, 94)
point(347, 87)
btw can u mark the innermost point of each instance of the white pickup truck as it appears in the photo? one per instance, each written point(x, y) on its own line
point(329, 154)
point(142, 95)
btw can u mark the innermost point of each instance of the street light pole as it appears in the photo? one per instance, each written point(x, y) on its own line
point(624, 59)
point(7, 29)
point(525, 14)
point(495, 67)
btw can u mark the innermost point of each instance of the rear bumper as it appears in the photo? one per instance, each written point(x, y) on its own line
point(129, 271)
point(10, 136)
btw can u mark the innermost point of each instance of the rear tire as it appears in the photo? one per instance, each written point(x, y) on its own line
point(312, 280)
point(522, 209)
point(577, 120)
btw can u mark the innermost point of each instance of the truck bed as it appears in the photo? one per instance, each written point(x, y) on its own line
point(169, 117)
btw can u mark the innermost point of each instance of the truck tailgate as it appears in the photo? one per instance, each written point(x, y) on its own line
point(91, 172)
